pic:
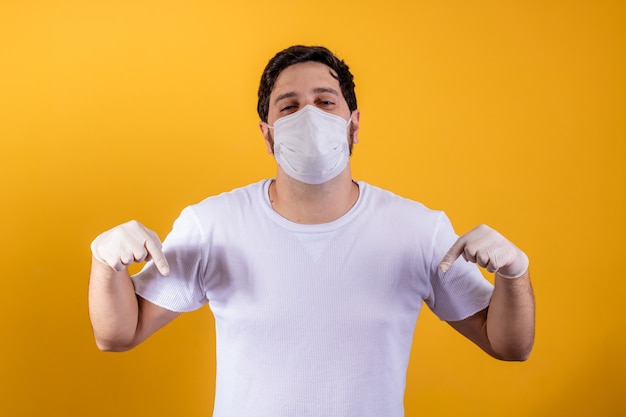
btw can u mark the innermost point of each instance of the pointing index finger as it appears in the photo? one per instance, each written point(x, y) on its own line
point(154, 249)
point(453, 253)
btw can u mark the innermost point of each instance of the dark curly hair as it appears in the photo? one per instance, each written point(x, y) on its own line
point(295, 55)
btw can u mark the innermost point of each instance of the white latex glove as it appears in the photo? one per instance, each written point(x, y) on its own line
point(127, 243)
point(489, 249)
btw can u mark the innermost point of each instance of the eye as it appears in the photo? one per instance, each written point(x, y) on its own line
point(289, 108)
point(325, 104)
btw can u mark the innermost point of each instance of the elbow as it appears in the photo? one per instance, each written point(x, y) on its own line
point(108, 345)
point(112, 348)
point(518, 353)
point(522, 357)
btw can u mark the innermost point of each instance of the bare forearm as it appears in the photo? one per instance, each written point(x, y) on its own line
point(113, 307)
point(511, 318)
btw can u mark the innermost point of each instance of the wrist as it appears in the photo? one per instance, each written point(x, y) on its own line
point(94, 252)
point(516, 269)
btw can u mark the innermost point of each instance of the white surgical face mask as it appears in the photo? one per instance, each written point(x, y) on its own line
point(311, 145)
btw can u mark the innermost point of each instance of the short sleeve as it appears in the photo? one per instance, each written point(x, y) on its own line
point(183, 248)
point(461, 291)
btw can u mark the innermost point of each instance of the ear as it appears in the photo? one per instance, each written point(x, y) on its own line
point(356, 118)
point(265, 131)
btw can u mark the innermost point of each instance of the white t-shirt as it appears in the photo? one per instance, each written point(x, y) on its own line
point(312, 320)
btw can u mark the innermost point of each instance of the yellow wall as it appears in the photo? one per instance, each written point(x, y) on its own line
point(507, 113)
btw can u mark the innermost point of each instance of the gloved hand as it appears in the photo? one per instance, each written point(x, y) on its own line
point(489, 249)
point(127, 243)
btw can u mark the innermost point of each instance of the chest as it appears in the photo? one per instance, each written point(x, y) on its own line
point(336, 275)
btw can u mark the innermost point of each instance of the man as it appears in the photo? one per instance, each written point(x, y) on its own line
point(315, 280)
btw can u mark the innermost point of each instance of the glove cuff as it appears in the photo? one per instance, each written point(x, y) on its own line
point(521, 267)
point(95, 253)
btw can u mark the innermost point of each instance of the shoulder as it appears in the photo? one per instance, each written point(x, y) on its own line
point(382, 200)
point(238, 197)
point(239, 203)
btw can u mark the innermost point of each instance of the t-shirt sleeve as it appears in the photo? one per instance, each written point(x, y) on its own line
point(461, 291)
point(181, 290)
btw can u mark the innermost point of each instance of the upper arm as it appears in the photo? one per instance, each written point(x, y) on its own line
point(474, 328)
point(151, 318)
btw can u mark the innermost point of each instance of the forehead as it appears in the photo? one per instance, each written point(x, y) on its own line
point(305, 76)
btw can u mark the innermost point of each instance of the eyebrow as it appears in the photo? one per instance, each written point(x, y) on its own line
point(317, 90)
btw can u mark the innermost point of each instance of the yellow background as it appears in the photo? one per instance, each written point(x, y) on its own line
point(505, 113)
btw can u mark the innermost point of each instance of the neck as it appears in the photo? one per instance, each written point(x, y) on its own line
point(313, 204)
